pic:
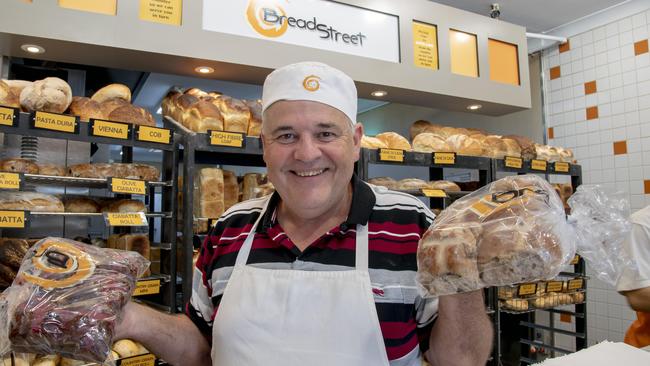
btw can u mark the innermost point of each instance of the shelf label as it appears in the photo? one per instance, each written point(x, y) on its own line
point(229, 139)
point(8, 116)
point(128, 186)
point(527, 289)
point(513, 162)
point(126, 219)
point(12, 219)
point(554, 286)
point(434, 192)
point(391, 155)
point(144, 360)
point(538, 165)
point(154, 134)
point(561, 167)
point(147, 287)
point(114, 130)
point(10, 180)
point(447, 158)
point(576, 284)
point(55, 122)
point(575, 260)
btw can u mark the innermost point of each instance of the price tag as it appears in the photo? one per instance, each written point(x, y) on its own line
point(154, 134)
point(229, 139)
point(128, 186)
point(126, 219)
point(576, 284)
point(561, 167)
point(10, 180)
point(8, 116)
point(55, 122)
point(434, 192)
point(575, 260)
point(538, 165)
point(513, 162)
point(446, 158)
point(527, 289)
point(391, 155)
point(12, 219)
point(147, 287)
point(114, 130)
point(554, 286)
point(144, 360)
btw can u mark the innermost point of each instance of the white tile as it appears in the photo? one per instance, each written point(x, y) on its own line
point(586, 38)
point(645, 146)
point(608, 161)
point(599, 33)
point(604, 109)
point(642, 60)
point(556, 84)
point(582, 152)
point(565, 58)
point(594, 138)
point(603, 97)
point(630, 92)
point(645, 131)
point(554, 60)
point(626, 38)
point(604, 84)
point(613, 43)
point(606, 136)
point(596, 163)
point(633, 132)
point(576, 52)
point(611, 29)
point(579, 102)
point(568, 105)
point(636, 161)
point(618, 121)
point(591, 99)
point(643, 74)
point(590, 72)
point(556, 96)
point(636, 172)
point(605, 123)
point(614, 68)
point(579, 89)
point(618, 107)
point(624, 24)
point(633, 144)
point(570, 129)
point(646, 157)
point(644, 100)
point(616, 81)
point(628, 64)
point(619, 134)
point(578, 116)
point(638, 20)
point(628, 78)
point(581, 140)
point(601, 59)
point(567, 93)
point(632, 118)
point(620, 161)
point(639, 33)
point(636, 187)
point(622, 174)
point(627, 50)
point(594, 150)
point(646, 170)
point(593, 125)
point(623, 186)
point(644, 115)
point(576, 66)
point(576, 41)
point(567, 82)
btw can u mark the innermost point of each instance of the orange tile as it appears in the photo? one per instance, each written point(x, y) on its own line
point(564, 46)
point(565, 318)
point(590, 87)
point(555, 72)
point(646, 186)
point(620, 147)
point(592, 112)
point(551, 133)
point(641, 47)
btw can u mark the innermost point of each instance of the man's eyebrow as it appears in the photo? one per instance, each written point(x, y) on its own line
point(282, 129)
point(325, 125)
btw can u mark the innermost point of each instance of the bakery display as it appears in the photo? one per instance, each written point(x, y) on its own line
point(47, 95)
point(18, 165)
point(30, 201)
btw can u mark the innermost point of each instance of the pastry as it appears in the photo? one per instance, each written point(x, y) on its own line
point(394, 141)
point(112, 91)
point(47, 95)
point(18, 165)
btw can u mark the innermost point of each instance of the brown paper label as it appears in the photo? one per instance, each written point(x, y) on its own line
point(229, 139)
point(115, 130)
point(10, 180)
point(7, 116)
point(433, 192)
point(446, 158)
point(12, 219)
point(154, 134)
point(128, 186)
point(554, 286)
point(144, 360)
point(561, 167)
point(55, 122)
point(391, 155)
point(538, 165)
point(513, 162)
point(527, 289)
point(147, 287)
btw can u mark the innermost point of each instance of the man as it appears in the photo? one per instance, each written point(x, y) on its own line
point(322, 272)
point(635, 284)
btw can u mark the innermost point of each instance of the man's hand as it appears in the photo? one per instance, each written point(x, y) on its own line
point(639, 300)
point(462, 334)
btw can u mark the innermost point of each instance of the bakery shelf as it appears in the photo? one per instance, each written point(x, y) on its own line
point(500, 166)
point(414, 158)
point(164, 215)
point(79, 182)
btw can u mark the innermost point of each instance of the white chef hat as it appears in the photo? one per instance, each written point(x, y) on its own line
point(312, 81)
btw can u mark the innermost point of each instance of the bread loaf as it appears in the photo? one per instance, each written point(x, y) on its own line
point(419, 127)
point(515, 304)
point(369, 142)
point(132, 114)
point(512, 147)
point(17, 165)
point(387, 182)
point(429, 142)
point(7, 96)
point(264, 190)
point(196, 92)
point(411, 183)
point(49, 360)
point(236, 113)
point(566, 155)
point(117, 170)
point(203, 116)
point(183, 103)
point(255, 123)
point(230, 189)
point(17, 86)
point(445, 185)
point(250, 182)
point(47, 95)
point(465, 145)
point(208, 193)
point(394, 141)
point(12, 252)
point(124, 206)
point(495, 147)
point(110, 105)
point(30, 201)
point(168, 105)
point(132, 242)
point(112, 91)
point(86, 109)
point(81, 205)
point(70, 362)
point(51, 170)
point(526, 145)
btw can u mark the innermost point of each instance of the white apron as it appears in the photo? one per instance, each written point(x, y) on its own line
point(298, 318)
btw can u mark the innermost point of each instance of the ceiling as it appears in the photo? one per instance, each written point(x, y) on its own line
point(538, 16)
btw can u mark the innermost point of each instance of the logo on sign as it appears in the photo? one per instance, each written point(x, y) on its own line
point(311, 83)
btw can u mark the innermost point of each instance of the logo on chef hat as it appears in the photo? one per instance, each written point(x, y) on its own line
point(311, 83)
point(267, 18)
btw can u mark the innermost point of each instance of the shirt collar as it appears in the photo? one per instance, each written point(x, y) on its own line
point(363, 201)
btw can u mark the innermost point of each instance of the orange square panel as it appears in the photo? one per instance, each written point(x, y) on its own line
point(641, 47)
point(564, 46)
point(646, 186)
point(620, 147)
point(551, 133)
point(592, 112)
point(555, 72)
point(590, 87)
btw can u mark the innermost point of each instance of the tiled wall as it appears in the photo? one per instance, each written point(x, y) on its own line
point(597, 102)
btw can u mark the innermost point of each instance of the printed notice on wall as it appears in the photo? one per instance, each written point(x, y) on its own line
point(425, 45)
point(162, 11)
point(108, 7)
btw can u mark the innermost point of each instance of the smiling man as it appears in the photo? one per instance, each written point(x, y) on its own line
point(322, 272)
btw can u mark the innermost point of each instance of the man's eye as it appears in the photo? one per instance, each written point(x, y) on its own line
point(326, 136)
point(286, 138)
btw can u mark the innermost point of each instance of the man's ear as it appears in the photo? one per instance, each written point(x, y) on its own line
point(357, 134)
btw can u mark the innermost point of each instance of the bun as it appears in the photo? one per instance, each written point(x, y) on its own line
point(86, 109)
point(18, 165)
point(7, 97)
point(394, 141)
point(203, 116)
point(30, 201)
point(47, 95)
point(52, 170)
point(429, 142)
point(112, 91)
point(236, 113)
point(132, 114)
point(445, 185)
point(369, 142)
point(387, 182)
point(124, 206)
point(81, 205)
point(255, 123)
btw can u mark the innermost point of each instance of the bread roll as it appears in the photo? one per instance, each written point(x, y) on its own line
point(47, 95)
point(411, 183)
point(125, 348)
point(81, 205)
point(52, 170)
point(445, 185)
point(526, 145)
point(370, 142)
point(230, 189)
point(429, 142)
point(49, 360)
point(30, 201)
point(465, 145)
point(387, 182)
point(18, 165)
point(7, 96)
point(124, 206)
point(86, 109)
point(112, 91)
point(203, 116)
point(132, 114)
point(209, 193)
point(512, 147)
point(394, 141)
point(236, 113)
point(255, 123)
point(495, 147)
point(110, 105)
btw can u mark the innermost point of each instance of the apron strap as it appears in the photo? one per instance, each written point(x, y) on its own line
point(242, 256)
point(361, 255)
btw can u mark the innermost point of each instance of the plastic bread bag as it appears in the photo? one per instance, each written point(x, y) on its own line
point(67, 298)
point(510, 231)
point(600, 218)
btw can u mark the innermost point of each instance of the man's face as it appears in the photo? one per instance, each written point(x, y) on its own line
point(309, 150)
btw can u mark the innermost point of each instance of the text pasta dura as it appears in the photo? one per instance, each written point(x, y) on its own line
point(327, 32)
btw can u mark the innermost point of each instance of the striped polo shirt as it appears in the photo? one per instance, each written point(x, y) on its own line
point(396, 221)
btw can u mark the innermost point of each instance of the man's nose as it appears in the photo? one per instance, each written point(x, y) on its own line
point(307, 149)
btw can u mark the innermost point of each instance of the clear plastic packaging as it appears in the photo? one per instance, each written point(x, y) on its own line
point(66, 299)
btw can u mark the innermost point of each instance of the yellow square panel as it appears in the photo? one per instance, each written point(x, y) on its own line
point(425, 45)
point(504, 62)
point(108, 7)
point(464, 54)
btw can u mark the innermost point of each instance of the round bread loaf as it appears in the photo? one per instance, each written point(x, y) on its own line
point(387, 182)
point(445, 185)
point(112, 91)
point(124, 205)
point(418, 127)
point(81, 205)
point(495, 147)
point(125, 348)
point(132, 114)
point(47, 95)
point(85, 108)
point(394, 141)
point(512, 147)
point(429, 142)
point(7, 97)
point(526, 146)
point(17, 86)
point(465, 145)
point(370, 142)
point(108, 106)
point(30, 201)
point(412, 183)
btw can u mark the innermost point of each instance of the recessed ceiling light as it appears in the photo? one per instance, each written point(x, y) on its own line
point(204, 70)
point(32, 48)
point(379, 93)
point(474, 107)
